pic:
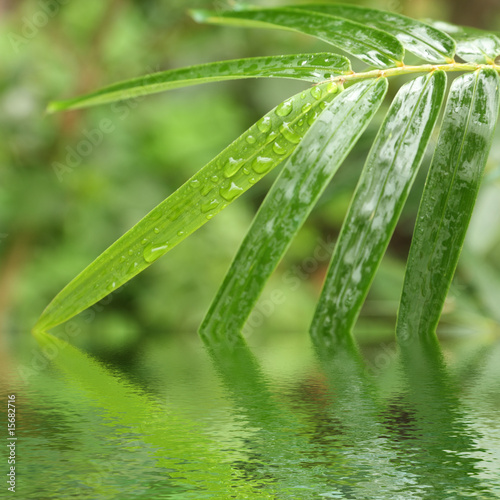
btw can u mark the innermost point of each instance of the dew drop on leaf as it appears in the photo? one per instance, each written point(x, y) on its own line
point(317, 93)
point(261, 165)
point(232, 166)
point(264, 124)
point(231, 191)
point(285, 108)
point(289, 134)
point(279, 149)
point(154, 251)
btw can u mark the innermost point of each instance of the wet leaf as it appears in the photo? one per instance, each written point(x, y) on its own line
point(381, 192)
point(287, 205)
point(255, 153)
point(448, 200)
point(310, 67)
point(419, 38)
point(369, 44)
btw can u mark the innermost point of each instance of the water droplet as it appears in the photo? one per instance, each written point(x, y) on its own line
point(300, 123)
point(154, 251)
point(312, 118)
point(246, 170)
point(279, 149)
point(317, 92)
point(123, 258)
point(264, 124)
point(206, 189)
point(272, 135)
point(252, 180)
point(231, 191)
point(133, 268)
point(232, 166)
point(285, 108)
point(306, 107)
point(155, 215)
point(211, 205)
point(131, 252)
point(322, 105)
point(209, 216)
point(332, 88)
point(303, 95)
point(214, 178)
point(156, 230)
point(261, 165)
point(180, 233)
point(144, 241)
point(195, 183)
point(111, 286)
point(289, 134)
point(250, 139)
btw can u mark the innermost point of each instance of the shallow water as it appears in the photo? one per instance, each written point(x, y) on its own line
point(279, 421)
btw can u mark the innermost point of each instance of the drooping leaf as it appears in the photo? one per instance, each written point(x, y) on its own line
point(381, 192)
point(309, 67)
point(448, 199)
point(262, 147)
point(371, 45)
point(292, 197)
point(419, 38)
point(473, 45)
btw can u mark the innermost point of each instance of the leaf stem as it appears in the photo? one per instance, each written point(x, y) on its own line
point(404, 70)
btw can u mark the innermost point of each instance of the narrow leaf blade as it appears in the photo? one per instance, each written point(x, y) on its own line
point(448, 200)
point(262, 147)
point(417, 37)
point(292, 197)
point(381, 192)
point(309, 67)
point(473, 45)
point(371, 45)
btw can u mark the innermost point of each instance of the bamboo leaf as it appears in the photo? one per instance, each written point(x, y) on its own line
point(381, 192)
point(473, 45)
point(262, 147)
point(373, 46)
point(292, 197)
point(448, 199)
point(310, 67)
point(419, 38)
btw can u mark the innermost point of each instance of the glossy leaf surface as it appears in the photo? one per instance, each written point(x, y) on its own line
point(419, 38)
point(377, 203)
point(261, 148)
point(369, 44)
point(310, 67)
point(292, 197)
point(473, 45)
point(448, 199)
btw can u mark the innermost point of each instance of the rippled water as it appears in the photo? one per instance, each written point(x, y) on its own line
point(280, 422)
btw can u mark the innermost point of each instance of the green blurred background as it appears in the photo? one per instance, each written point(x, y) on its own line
point(54, 221)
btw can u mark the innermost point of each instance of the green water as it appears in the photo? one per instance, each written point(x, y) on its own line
point(276, 421)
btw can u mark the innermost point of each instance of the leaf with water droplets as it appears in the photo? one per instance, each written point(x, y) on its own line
point(292, 197)
point(473, 45)
point(209, 191)
point(419, 38)
point(309, 67)
point(371, 45)
point(387, 176)
point(448, 200)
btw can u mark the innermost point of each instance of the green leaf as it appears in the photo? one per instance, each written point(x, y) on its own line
point(369, 44)
point(419, 38)
point(448, 199)
point(310, 67)
point(262, 147)
point(292, 197)
point(473, 45)
point(381, 192)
